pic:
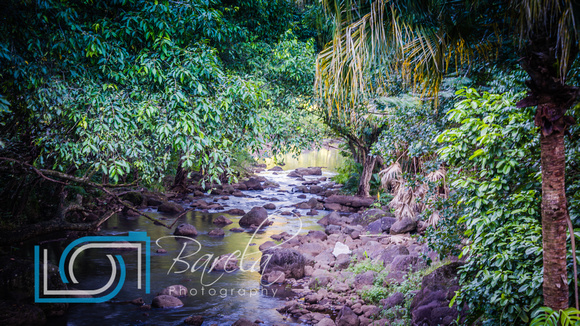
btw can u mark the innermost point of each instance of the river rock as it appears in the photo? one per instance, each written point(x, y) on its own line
point(331, 219)
point(315, 235)
point(346, 317)
point(276, 169)
point(244, 322)
point(170, 207)
point(326, 322)
point(227, 263)
point(313, 248)
point(274, 277)
point(240, 186)
point(237, 230)
point(154, 200)
point(286, 260)
point(253, 184)
point(255, 216)
point(369, 216)
point(216, 233)
point(135, 197)
point(404, 225)
point(266, 245)
point(342, 261)
point(222, 220)
point(430, 306)
point(388, 254)
point(304, 205)
point(185, 229)
point(365, 279)
point(315, 204)
point(308, 171)
point(166, 301)
point(269, 206)
point(353, 202)
point(340, 248)
point(333, 229)
point(406, 263)
point(193, 320)
point(177, 290)
point(395, 299)
point(235, 211)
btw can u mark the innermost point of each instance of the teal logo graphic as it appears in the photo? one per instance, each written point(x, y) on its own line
point(135, 240)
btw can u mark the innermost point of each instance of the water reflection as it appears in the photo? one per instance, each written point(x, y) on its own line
point(221, 298)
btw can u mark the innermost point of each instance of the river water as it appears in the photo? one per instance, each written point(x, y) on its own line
point(232, 295)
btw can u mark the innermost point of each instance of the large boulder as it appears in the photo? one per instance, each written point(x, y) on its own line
point(186, 230)
point(166, 301)
point(286, 260)
point(347, 317)
point(381, 225)
point(170, 207)
point(255, 216)
point(404, 225)
point(430, 306)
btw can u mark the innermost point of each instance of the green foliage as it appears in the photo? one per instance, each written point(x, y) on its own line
point(348, 175)
point(495, 172)
point(382, 289)
point(445, 238)
point(545, 316)
point(128, 92)
point(365, 265)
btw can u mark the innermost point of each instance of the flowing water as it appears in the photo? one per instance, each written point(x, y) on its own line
point(221, 298)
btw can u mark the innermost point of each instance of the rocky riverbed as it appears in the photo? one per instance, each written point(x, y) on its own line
point(323, 258)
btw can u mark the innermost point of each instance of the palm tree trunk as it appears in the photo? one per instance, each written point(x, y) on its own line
point(554, 220)
point(364, 186)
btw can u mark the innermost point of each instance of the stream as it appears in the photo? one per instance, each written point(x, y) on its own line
point(233, 295)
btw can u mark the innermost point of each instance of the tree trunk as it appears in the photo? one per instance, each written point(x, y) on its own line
point(364, 185)
point(554, 220)
point(179, 182)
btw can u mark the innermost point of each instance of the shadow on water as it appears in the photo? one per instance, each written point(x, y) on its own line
point(221, 298)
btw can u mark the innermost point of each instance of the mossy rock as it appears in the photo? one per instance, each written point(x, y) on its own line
point(134, 197)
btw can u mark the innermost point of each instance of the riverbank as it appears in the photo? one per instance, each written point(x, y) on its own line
point(345, 254)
